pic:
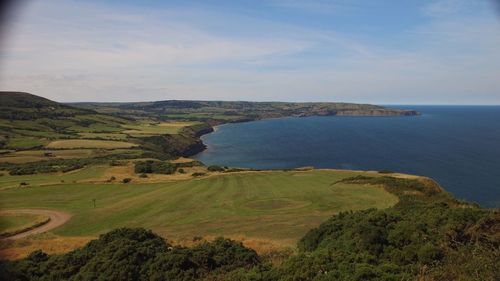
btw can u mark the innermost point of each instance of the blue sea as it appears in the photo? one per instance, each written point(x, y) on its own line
point(458, 146)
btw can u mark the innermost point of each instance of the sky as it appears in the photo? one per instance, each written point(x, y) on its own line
point(365, 51)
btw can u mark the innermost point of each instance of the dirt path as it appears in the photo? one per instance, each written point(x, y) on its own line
point(57, 218)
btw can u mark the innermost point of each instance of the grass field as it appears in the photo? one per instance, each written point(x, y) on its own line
point(107, 136)
point(13, 222)
point(148, 128)
point(25, 142)
point(80, 143)
point(277, 207)
point(40, 155)
point(87, 173)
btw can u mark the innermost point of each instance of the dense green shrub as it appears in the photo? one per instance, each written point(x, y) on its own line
point(49, 166)
point(133, 254)
point(215, 168)
point(154, 167)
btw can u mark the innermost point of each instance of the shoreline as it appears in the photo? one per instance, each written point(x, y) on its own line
point(215, 128)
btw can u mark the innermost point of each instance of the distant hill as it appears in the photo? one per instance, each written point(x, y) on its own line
point(25, 106)
point(28, 121)
point(216, 112)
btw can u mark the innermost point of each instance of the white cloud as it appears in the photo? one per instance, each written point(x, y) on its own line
point(69, 51)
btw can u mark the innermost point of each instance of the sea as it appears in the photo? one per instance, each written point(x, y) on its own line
point(458, 146)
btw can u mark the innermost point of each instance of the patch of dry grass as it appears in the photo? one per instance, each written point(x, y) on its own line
point(82, 143)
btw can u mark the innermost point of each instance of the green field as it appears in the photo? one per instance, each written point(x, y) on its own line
point(8, 181)
point(26, 156)
point(105, 144)
point(275, 206)
point(157, 128)
point(13, 222)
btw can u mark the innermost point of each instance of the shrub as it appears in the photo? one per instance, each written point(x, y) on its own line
point(126, 180)
point(154, 167)
point(215, 168)
point(133, 254)
point(198, 174)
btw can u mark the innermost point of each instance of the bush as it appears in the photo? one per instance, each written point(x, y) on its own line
point(198, 174)
point(143, 176)
point(215, 168)
point(181, 171)
point(126, 180)
point(133, 254)
point(154, 167)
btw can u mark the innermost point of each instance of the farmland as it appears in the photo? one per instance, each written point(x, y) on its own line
point(69, 144)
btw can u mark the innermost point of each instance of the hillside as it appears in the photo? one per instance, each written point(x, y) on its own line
point(216, 112)
point(425, 235)
point(34, 129)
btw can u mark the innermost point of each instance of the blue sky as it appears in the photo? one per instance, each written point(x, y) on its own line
point(384, 52)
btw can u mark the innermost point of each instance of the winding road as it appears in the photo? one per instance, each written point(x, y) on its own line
point(57, 218)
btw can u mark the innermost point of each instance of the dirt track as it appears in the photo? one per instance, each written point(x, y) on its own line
point(57, 218)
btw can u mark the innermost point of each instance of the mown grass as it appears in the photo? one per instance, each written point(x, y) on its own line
point(275, 206)
point(87, 173)
point(13, 222)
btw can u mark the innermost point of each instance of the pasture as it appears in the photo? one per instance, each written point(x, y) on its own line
point(155, 128)
point(26, 156)
point(82, 143)
point(276, 208)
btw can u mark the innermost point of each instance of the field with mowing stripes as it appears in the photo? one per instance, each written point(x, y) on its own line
point(277, 207)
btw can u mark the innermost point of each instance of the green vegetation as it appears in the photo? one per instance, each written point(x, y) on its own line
point(215, 168)
point(10, 181)
point(14, 223)
point(156, 128)
point(229, 204)
point(49, 166)
point(155, 167)
point(216, 112)
point(140, 254)
point(104, 144)
point(28, 122)
point(160, 130)
point(384, 227)
point(430, 242)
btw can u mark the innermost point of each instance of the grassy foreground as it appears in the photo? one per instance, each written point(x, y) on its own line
point(275, 207)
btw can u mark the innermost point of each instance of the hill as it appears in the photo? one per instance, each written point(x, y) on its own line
point(25, 106)
point(33, 129)
point(216, 112)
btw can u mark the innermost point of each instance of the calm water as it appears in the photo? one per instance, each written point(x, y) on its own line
point(457, 146)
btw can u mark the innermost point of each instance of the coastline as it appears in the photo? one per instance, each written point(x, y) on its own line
point(214, 128)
